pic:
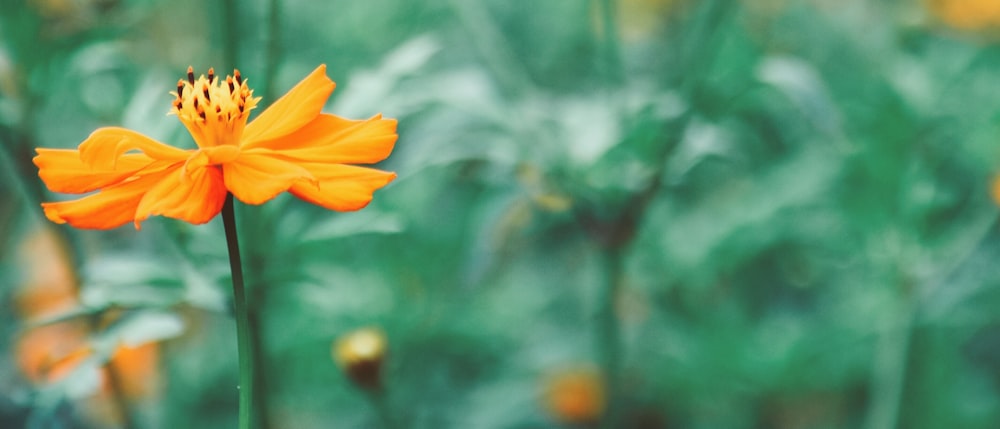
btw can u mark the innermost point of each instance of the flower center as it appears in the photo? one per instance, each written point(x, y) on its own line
point(215, 112)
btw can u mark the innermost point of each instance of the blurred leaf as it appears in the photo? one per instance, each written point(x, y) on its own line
point(340, 226)
point(138, 328)
point(130, 282)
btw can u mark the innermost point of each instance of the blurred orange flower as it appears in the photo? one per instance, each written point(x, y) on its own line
point(48, 283)
point(967, 14)
point(995, 189)
point(137, 368)
point(575, 395)
point(48, 353)
point(291, 146)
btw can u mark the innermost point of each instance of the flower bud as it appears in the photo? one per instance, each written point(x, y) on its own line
point(360, 354)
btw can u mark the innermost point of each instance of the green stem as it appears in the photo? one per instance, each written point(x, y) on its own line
point(243, 334)
point(273, 49)
point(892, 353)
point(15, 174)
point(609, 44)
point(381, 405)
point(507, 68)
point(231, 33)
point(609, 332)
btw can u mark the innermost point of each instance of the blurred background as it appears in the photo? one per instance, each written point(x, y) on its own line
point(609, 213)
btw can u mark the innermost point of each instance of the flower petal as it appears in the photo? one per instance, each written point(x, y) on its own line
point(330, 138)
point(293, 110)
point(110, 208)
point(62, 170)
point(342, 187)
point(255, 178)
point(192, 195)
point(105, 146)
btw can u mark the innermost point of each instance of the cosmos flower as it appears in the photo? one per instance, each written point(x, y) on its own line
point(291, 146)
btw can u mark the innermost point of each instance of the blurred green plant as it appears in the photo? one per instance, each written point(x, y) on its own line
point(787, 200)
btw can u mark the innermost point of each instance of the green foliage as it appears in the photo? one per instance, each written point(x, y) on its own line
point(747, 214)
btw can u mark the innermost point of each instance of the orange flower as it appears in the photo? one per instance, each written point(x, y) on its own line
point(291, 146)
point(967, 14)
point(575, 395)
point(49, 353)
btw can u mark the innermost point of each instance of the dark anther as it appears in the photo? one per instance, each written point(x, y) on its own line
point(218, 109)
point(207, 97)
point(241, 107)
point(211, 74)
point(180, 89)
point(232, 88)
point(196, 103)
point(239, 79)
point(202, 114)
point(178, 104)
point(191, 75)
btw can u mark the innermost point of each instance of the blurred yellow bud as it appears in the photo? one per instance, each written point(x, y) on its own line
point(360, 354)
point(575, 395)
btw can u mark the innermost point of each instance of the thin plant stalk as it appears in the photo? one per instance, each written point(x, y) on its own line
point(892, 353)
point(243, 335)
point(609, 332)
point(230, 33)
point(380, 402)
point(609, 43)
point(508, 69)
point(272, 48)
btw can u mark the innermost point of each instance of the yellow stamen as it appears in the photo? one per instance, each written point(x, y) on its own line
point(214, 113)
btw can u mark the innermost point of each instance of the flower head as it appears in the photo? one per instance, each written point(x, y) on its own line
point(291, 146)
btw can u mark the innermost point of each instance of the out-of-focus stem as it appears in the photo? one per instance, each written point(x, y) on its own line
point(490, 43)
point(230, 33)
point(273, 48)
point(380, 403)
point(15, 174)
point(609, 332)
point(609, 42)
point(892, 352)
